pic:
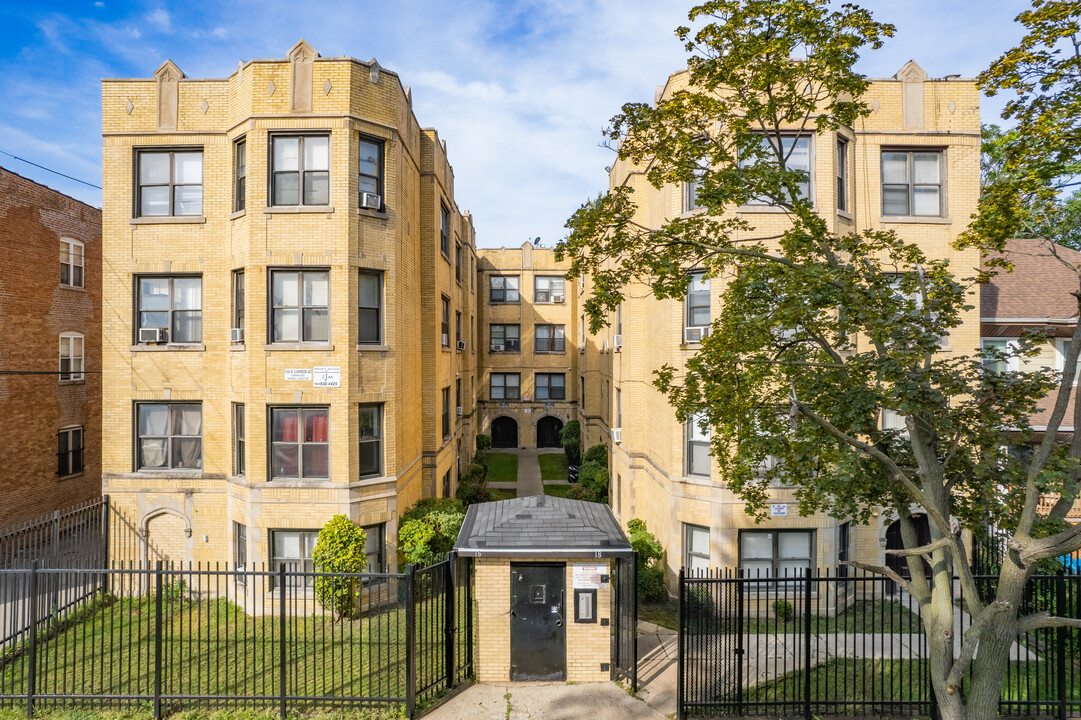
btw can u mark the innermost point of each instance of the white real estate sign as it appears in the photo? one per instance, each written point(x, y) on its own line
point(327, 377)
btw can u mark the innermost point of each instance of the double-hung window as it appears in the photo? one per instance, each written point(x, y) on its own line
point(172, 305)
point(796, 151)
point(238, 299)
point(69, 451)
point(71, 357)
point(1062, 347)
point(375, 548)
point(71, 263)
point(371, 171)
point(912, 183)
point(300, 306)
point(547, 289)
point(457, 328)
point(503, 289)
point(696, 316)
point(169, 436)
point(505, 386)
point(371, 308)
point(444, 323)
point(504, 338)
point(300, 442)
point(775, 553)
point(690, 192)
point(293, 548)
point(444, 230)
point(842, 174)
point(240, 550)
point(238, 439)
point(458, 262)
point(446, 412)
point(550, 386)
point(371, 440)
point(240, 174)
point(170, 182)
point(300, 170)
point(697, 441)
point(997, 365)
point(695, 549)
point(550, 339)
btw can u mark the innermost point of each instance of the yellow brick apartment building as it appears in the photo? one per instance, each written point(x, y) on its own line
point(289, 309)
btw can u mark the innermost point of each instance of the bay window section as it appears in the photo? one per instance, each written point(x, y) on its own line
point(300, 170)
point(371, 440)
point(300, 309)
point(300, 443)
point(775, 553)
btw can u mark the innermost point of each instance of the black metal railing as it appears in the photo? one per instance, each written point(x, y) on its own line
point(625, 633)
point(176, 638)
point(824, 644)
point(73, 537)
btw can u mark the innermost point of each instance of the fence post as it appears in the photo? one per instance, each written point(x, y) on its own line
point(104, 583)
point(634, 621)
point(448, 619)
point(54, 606)
point(157, 639)
point(410, 641)
point(1060, 641)
point(681, 657)
point(469, 611)
point(31, 673)
point(739, 642)
point(282, 651)
point(807, 647)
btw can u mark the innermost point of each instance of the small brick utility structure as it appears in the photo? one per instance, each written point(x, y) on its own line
point(555, 590)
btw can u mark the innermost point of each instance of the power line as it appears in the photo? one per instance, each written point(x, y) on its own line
point(50, 372)
point(54, 172)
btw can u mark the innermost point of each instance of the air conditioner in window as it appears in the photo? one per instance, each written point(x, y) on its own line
point(236, 335)
point(497, 348)
point(444, 339)
point(371, 201)
point(152, 335)
point(617, 435)
point(606, 345)
point(461, 344)
point(557, 298)
point(695, 334)
point(459, 409)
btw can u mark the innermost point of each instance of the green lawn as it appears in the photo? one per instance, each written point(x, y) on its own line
point(553, 466)
point(863, 616)
point(502, 467)
point(498, 494)
point(665, 614)
point(557, 490)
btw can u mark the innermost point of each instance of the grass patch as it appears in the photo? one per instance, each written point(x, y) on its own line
point(499, 494)
point(148, 714)
point(502, 467)
point(862, 616)
point(553, 466)
point(665, 614)
point(557, 490)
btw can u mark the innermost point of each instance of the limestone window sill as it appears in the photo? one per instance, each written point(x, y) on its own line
point(73, 476)
point(316, 347)
point(237, 347)
point(72, 287)
point(364, 347)
point(170, 220)
point(845, 215)
point(170, 347)
point(298, 209)
point(913, 219)
point(378, 214)
point(238, 214)
point(66, 383)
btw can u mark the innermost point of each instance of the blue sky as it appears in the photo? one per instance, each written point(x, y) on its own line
point(519, 90)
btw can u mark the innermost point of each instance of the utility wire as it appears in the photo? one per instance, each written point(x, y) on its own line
point(49, 372)
point(54, 172)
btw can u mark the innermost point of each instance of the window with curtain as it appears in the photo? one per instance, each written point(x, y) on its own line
point(169, 436)
point(300, 306)
point(697, 452)
point(173, 304)
point(547, 289)
point(293, 548)
point(775, 553)
point(71, 357)
point(504, 338)
point(300, 442)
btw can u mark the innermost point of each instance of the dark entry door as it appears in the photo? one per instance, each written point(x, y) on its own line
point(504, 433)
point(538, 637)
point(548, 432)
point(894, 541)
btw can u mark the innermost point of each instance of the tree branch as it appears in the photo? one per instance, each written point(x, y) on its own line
point(887, 572)
point(971, 641)
point(1042, 620)
point(1061, 543)
point(925, 550)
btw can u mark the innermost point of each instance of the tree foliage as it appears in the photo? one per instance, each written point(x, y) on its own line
point(338, 549)
point(429, 529)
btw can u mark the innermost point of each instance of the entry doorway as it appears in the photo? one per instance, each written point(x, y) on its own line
point(894, 541)
point(504, 432)
point(538, 632)
point(548, 432)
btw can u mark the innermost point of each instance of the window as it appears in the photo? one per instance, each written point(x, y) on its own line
point(371, 169)
point(619, 408)
point(548, 289)
point(240, 549)
point(505, 386)
point(446, 412)
point(549, 339)
point(293, 548)
point(444, 324)
point(238, 438)
point(504, 338)
point(170, 183)
point(773, 553)
point(238, 298)
point(169, 436)
point(697, 302)
point(71, 263)
point(458, 262)
point(503, 289)
point(797, 156)
point(912, 183)
point(240, 173)
point(71, 357)
point(444, 230)
point(1002, 345)
point(550, 386)
point(300, 442)
point(371, 308)
point(173, 305)
point(690, 192)
point(697, 452)
point(371, 440)
point(457, 328)
point(458, 393)
point(842, 174)
point(446, 484)
point(375, 548)
point(582, 392)
point(300, 170)
point(1063, 346)
point(69, 451)
point(582, 333)
point(619, 319)
point(300, 306)
point(695, 549)
point(844, 548)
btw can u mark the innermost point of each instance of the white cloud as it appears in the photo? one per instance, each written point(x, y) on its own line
point(160, 19)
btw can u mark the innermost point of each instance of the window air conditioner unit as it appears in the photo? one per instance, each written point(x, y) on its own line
point(444, 339)
point(497, 348)
point(236, 335)
point(459, 409)
point(152, 335)
point(617, 435)
point(461, 344)
point(606, 345)
point(557, 298)
point(371, 201)
point(695, 334)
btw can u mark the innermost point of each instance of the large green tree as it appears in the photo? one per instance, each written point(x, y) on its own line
point(820, 334)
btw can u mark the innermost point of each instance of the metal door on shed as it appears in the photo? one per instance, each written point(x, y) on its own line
point(538, 634)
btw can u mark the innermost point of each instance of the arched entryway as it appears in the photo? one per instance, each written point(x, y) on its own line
point(895, 542)
point(504, 432)
point(548, 432)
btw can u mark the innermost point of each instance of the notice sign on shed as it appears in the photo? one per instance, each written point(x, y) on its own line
point(778, 510)
point(297, 374)
point(327, 377)
point(590, 577)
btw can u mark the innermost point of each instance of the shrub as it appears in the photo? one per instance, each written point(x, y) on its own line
point(472, 487)
point(597, 454)
point(484, 444)
point(429, 529)
point(571, 439)
point(588, 471)
point(651, 584)
point(701, 609)
point(339, 549)
point(650, 575)
point(782, 610)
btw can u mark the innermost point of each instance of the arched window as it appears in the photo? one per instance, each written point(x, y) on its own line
point(71, 357)
point(71, 262)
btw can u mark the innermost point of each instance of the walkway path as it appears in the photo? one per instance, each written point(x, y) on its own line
point(529, 474)
point(544, 701)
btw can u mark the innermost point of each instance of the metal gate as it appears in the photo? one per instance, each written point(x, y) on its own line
point(625, 637)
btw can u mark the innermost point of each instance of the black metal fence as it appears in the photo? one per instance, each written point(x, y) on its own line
point(851, 645)
point(229, 638)
point(625, 632)
point(73, 537)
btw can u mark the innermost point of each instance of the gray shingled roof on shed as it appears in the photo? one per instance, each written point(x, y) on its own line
point(539, 526)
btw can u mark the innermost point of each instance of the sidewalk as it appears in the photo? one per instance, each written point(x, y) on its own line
point(529, 474)
point(547, 700)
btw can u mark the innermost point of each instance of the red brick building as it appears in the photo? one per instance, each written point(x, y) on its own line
point(50, 349)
